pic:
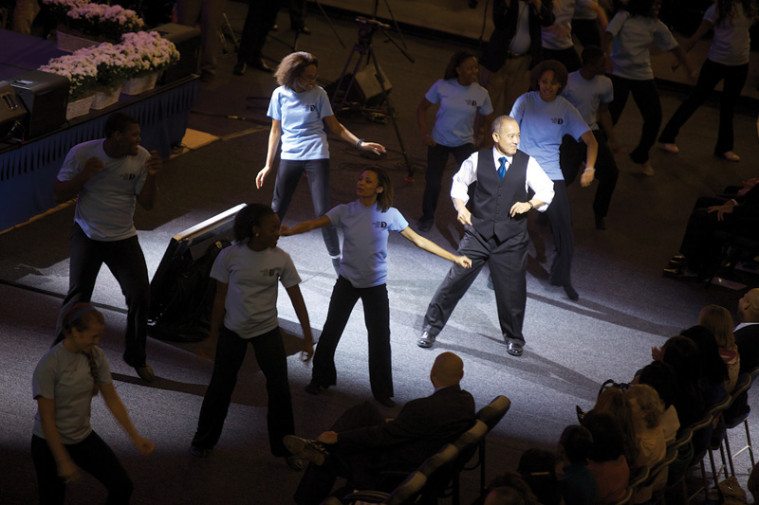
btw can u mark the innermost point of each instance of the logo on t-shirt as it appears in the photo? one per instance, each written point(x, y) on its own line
point(310, 107)
point(270, 272)
point(473, 103)
point(129, 176)
point(557, 120)
point(380, 224)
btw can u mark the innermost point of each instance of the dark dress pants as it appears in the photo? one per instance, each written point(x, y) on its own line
point(437, 158)
point(568, 57)
point(607, 172)
point(700, 245)
point(711, 73)
point(377, 319)
point(261, 17)
point(91, 455)
point(507, 262)
point(272, 360)
point(559, 215)
point(587, 32)
point(288, 176)
point(360, 468)
point(646, 98)
point(297, 10)
point(126, 262)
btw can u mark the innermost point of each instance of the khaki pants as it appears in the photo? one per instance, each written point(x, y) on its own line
point(23, 15)
point(512, 80)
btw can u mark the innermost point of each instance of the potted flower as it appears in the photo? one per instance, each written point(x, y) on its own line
point(59, 8)
point(102, 22)
point(145, 55)
point(111, 72)
point(81, 73)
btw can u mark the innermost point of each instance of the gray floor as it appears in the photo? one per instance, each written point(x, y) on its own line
point(625, 308)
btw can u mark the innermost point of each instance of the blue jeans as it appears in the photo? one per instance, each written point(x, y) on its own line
point(272, 360)
point(317, 171)
point(91, 455)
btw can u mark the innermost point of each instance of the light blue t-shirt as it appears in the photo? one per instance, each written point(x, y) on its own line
point(253, 279)
point(68, 379)
point(459, 106)
point(105, 205)
point(302, 117)
point(543, 124)
point(365, 233)
point(731, 43)
point(631, 47)
point(588, 94)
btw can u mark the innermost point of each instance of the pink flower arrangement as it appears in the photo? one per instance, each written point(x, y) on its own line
point(59, 8)
point(106, 21)
point(146, 52)
point(79, 69)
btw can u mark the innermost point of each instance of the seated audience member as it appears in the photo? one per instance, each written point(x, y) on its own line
point(538, 469)
point(508, 489)
point(661, 378)
point(647, 409)
point(578, 487)
point(361, 444)
point(613, 401)
point(607, 461)
point(747, 332)
point(712, 222)
point(681, 354)
point(718, 320)
point(713, 369)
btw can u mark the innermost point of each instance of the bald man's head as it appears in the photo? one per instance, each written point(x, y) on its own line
point(748, 306)
point(447, 370)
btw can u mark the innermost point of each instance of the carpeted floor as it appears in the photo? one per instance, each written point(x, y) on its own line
point(625, 306)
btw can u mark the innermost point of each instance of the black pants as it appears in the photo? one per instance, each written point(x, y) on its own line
point(360, 468)
point(647, 100)
point(91, 455)
point(297, 10)
point(271, 358)
point(587, 32)
point(377, 318)
point(507, 261)
point(568, 57)
point(126, 262)
point(262, 14)
point(572, 159)
point(711, 73)
point(559, 215)
point(437, 158)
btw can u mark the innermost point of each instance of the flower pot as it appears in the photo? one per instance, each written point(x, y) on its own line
point(105, 98)
point(70, 42)
point(79, 107)
point(140, 84)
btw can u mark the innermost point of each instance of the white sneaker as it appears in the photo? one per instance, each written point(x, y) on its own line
point(647, 169)
point(670, 148)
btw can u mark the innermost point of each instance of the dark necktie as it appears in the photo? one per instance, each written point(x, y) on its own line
point(501, 169)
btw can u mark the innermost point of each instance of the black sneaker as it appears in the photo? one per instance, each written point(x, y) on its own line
point(200, 452)
point(425, 224)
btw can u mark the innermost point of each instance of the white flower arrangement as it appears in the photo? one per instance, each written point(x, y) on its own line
point(80, 70)
point(59, 8)
point(106, 21)
point(146, 52)
point(110, 61)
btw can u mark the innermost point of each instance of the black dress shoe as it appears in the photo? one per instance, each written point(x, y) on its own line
point(425, 224)
point(314, 389)
point(387, 402)
point(305, 30)
point(240, 68)
point(571, 292)
point(600, 223)
point(514, 348)
point(260, 64)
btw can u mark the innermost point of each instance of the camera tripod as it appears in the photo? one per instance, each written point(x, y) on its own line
point(363, 54)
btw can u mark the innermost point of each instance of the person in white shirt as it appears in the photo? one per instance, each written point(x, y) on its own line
point(629, 37)
point(496, 232)
point(726, 61)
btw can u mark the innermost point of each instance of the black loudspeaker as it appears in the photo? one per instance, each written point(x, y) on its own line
point(12, 112)
point(46, 97)
point(187, 40)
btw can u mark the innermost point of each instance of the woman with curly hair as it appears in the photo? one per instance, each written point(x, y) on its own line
point(647, 410)
point(719, 321)
point(545, 118)
point(726, 61)
point(299, 110)
point(463, 104)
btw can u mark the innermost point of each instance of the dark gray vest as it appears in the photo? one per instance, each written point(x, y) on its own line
point(493, 199)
